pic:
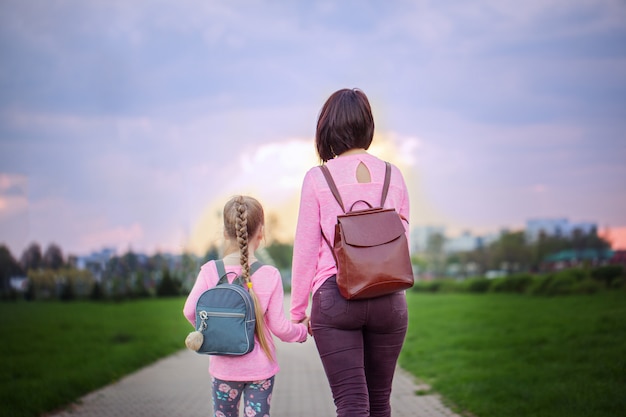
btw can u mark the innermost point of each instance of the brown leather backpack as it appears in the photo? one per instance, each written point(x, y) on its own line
point(370, 247)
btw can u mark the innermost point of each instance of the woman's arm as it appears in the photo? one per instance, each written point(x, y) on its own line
point(305, 249)
point(405, 209)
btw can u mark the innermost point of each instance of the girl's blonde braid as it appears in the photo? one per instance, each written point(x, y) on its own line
point(241, 227)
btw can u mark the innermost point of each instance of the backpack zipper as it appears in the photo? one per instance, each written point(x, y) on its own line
point(220, 314)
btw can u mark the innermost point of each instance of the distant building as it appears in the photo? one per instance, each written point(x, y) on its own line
point(572, 258)
point(466, 242)
point(19, 283)
point(420, 236)
point(96, 262)
point(488, 239)
point(618, 258)
point(556, 227)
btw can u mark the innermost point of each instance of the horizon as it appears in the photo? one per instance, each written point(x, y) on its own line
point(616, 238)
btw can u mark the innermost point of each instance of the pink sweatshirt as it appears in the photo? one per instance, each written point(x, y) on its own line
point(313, 261)
point(255, 365)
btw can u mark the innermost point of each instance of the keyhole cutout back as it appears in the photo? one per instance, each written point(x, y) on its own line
point(363, 174)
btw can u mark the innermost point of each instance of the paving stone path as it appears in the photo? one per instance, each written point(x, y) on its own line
point(179, 385)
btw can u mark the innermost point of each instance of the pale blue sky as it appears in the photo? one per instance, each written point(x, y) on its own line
point(123, 123)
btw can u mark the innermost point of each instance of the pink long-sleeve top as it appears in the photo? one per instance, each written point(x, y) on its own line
point(313, 261)
point(255, 365)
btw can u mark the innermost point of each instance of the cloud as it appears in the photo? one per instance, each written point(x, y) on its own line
point(273, 173)
point(114, 237)
point(13, 196)
point(539, 188)
point(13, 183)
point(616, 236)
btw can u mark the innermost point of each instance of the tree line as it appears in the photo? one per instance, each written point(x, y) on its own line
point(51, 275)
point(512, 252)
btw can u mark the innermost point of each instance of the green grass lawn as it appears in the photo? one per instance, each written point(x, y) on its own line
point(493, 355)
point(53, 353)
point(498, 355)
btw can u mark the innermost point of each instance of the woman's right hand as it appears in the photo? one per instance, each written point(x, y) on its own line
point(307, 322)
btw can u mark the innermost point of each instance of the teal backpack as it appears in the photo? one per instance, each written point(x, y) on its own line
point(225, 318)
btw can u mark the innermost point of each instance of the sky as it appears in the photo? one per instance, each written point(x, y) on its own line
point(128, 124)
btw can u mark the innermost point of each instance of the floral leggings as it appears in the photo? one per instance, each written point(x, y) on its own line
point(257, 397)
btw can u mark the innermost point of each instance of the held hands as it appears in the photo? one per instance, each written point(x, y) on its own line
point(307, 322)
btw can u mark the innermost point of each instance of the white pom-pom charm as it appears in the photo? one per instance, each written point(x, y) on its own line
point(194, 341)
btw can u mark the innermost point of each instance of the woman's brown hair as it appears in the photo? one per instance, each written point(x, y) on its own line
point(345, 122)
point(243, 217)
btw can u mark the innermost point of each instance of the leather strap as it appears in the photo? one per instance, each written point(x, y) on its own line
point(332, 186)
point(335, 191)
point(386, 183)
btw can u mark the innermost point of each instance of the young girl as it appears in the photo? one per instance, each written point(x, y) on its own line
point(252, 374)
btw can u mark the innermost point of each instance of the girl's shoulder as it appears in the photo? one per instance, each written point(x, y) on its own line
point(208, 266)
point(267, 279)
point(266, 273)
point(264, 268)
point(268, 270)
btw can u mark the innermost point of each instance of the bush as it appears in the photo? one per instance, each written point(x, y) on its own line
point(29, 295)
point(67, 291)
point(139, 289)
point(586, 286)
point(517, 283)
point(562, 283)
point(540, 284)
point(567, 281)
point(168, 287)
point(450, 285)
point(96, 292)
point(427, 286)
point(607, 274)
point(478, 285)
point(498, 284)
point(618, 283)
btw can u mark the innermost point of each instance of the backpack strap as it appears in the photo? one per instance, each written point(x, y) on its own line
point(255, 267)
point(332, 186)
point(335, 190)
point(219, 265)
point(221, 272)
point(386, 184)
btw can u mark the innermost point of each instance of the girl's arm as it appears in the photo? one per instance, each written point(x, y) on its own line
point(275, 318)
point(199, 287)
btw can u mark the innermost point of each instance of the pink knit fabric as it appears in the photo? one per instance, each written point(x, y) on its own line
point(313, 261)
point(269, 288)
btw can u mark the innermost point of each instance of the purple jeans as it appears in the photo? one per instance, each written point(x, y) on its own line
point(359, 343)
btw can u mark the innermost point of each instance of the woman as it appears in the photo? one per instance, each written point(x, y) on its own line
point(358, 341)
